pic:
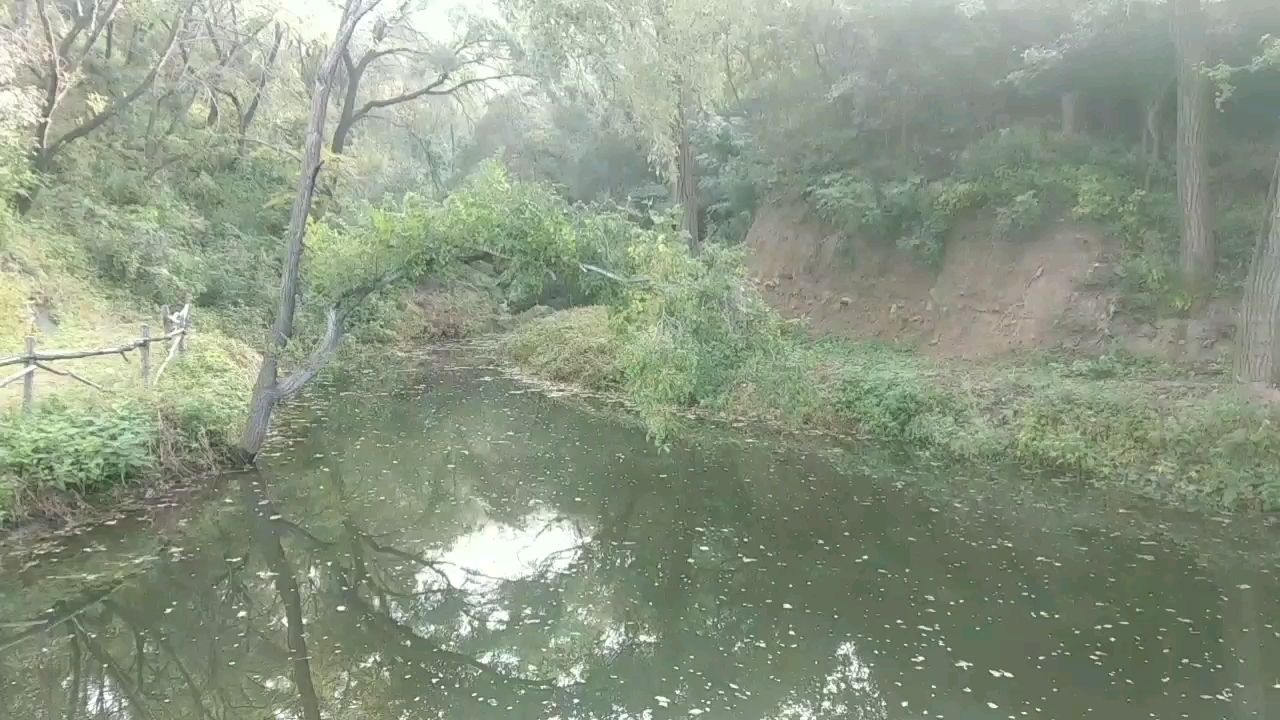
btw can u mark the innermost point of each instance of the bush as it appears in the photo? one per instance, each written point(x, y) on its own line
point(1022, 177)
point(78, 447)
point(89, 443)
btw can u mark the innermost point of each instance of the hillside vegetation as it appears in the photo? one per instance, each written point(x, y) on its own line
point(386, 174)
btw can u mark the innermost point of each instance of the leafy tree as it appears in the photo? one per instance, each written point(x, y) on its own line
point(655, 64)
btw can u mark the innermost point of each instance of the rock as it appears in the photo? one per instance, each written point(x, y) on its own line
point(846, 301)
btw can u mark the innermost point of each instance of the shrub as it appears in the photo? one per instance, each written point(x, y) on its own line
point(79, 447)
point(86, 442)
point(694, 337)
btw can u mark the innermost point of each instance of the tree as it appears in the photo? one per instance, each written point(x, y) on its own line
point(1259, 347)
point(1260, 310)
point(1194, 111)
point(270, 389)
point(66, 45)
point(244, 66)
point(656, 65)
point(474, 61)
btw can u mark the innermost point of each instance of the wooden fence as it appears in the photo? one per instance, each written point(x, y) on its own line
point(177, 327)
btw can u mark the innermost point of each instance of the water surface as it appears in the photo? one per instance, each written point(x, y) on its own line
point(456, 546)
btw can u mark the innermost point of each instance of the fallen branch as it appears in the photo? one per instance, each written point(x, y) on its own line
point(15, 378)
point(173, 352)
point(71, 355)
point(73, 376)
point(336, 328)
point(613, 276)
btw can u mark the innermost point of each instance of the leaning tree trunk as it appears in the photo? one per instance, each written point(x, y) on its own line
point(687, 182)
point(267, 391)
point(1260, 311)
point(1198, 255)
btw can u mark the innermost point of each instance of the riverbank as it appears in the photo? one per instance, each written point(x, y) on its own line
point(1107, 420)
point(81, 450)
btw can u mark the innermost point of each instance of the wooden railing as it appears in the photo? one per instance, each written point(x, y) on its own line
point(177, 327)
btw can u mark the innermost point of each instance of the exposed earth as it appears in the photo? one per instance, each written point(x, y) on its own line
point(990, 296)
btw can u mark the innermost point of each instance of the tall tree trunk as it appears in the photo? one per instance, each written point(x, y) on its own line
point(687, 182)
point(1260, 311)
point(1070, 112)
point(267, 391)
point(1198, 254)
point(1152, 129)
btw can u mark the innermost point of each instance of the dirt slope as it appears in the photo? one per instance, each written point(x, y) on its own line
point(990, 296)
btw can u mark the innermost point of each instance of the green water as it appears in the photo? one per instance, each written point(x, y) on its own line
point(459, 547)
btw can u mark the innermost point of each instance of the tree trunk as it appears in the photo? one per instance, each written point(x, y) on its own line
point(1198, 254)
point(1260, 311)
point(1153, 132)
point(1070, 108)
point(687, 183)
point(267, 392)
point(347, 120)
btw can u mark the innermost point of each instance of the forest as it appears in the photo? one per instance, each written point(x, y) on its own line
point(323, 181)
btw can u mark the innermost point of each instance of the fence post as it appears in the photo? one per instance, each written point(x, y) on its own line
point(29, 382)
point(166, 325)
point(186, 327)
point(144, 353)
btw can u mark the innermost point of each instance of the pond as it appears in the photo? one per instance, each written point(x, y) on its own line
point(456, 545)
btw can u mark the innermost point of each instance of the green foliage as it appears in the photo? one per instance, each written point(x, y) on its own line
point(85, 443)
point(79, 447)
point(1113, 420)
point(1022, 178)
point(575, 346)
point(687, 330)
point(203, 395)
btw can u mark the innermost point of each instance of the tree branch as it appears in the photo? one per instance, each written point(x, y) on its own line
point(108, 112)
point(431, 88)
point(335, 331)
point(97, 27)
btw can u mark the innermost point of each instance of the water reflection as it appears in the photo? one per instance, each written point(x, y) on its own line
point(459, 551)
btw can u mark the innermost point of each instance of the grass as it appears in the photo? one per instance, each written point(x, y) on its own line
point(1107, 420)
point(80, 443)
point(573, 346)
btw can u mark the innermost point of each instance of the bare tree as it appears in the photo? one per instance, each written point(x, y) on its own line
point(456, 64)
point(240, 64)
point(67, 43)
point(270, 389)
